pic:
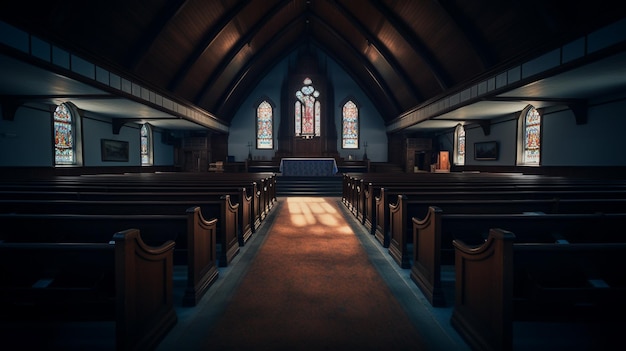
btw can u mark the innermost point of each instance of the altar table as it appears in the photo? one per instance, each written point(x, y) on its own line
point(308, 166)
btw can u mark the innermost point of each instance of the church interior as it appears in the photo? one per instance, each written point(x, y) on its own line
point(312, 174)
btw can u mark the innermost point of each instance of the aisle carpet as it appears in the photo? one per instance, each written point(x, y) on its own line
point(311, 287)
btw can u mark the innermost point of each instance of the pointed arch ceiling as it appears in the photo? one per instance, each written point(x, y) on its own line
point(402, 53)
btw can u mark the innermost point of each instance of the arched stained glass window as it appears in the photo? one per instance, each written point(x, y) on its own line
point(307, 111)
point(532, 137)
point(265, 126)
point(146, 145)
point(64, 148)
point(459, 146)
point(350, 126)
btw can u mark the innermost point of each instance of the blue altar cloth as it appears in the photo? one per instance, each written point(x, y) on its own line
point(308, 166)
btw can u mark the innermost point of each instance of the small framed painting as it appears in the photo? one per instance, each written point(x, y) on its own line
point(486, 150)
point(114, 150)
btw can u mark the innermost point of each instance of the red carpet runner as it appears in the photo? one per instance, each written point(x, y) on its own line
point(312, 287)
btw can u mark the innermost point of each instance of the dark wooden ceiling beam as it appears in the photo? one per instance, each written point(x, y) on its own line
point(377, 80)
point(416, 43)
point(204, 44)
point(380, 47)
point(469, 31)
point(139, 51)
point(234, 51)
point(384, 105)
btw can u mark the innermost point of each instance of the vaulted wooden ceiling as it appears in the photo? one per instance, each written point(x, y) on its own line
point(402, 53)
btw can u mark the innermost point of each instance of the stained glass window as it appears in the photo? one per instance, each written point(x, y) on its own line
point(264, 122)
point(307, 110)
point(63, 136)
point(350, 126)
point(146, 141)
point(532, 137)
point(460, 145)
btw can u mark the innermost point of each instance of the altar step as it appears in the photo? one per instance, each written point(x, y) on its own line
point(309, 186)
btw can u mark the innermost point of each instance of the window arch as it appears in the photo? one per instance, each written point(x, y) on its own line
point(350, 126)
point(459, 145)
point(146, 145)
point(530, 136)
point(307, 110)
point(64, 136)
point(264, 126)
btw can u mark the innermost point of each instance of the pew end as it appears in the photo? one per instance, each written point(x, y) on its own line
point(124, 281)
point(501, 282)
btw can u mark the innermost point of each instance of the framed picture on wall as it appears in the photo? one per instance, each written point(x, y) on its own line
point(486, 150)
point(114, 150)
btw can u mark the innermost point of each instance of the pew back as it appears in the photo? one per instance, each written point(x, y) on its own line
point(433, 237)
point(502, 280)
point(126, 281)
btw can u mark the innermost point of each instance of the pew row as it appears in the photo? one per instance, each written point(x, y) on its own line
point(260, 186)
point(502, 281)
point(433, 236)
point(124, 280)
point(137, 201)
point(547, 201)
point(400, 229)
point(159, 220)
point(194, 235)
point(409, 205)
point(401, 212)
point(355, 187)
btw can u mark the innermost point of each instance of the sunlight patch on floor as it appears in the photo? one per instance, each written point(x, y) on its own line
point(306, 211)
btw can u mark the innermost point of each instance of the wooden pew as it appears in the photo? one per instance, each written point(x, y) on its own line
point(213, 205)
point(404, 209)
point(249, 208)
point(201, 255)
point(357, 187)
point(194, 234)
point(547, 200)
point(502, 281)
point(176, 181)
point(434, 234)
point(156, 227)
point(124, 280)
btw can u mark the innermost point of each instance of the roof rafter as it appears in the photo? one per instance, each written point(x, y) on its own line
point(221, 67)
point(416, 43)
point(378, 45)
point(469, 32)
point(376, 79)
point(139, 51)
point(206, 41)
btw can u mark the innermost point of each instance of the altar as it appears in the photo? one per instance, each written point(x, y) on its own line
point(308, 166)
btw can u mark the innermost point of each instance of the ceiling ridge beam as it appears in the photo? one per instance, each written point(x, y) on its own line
point(375, 78)
point(243, 72)
point(380, 106)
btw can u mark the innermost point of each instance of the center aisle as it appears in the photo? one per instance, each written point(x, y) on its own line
point(307, 282)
